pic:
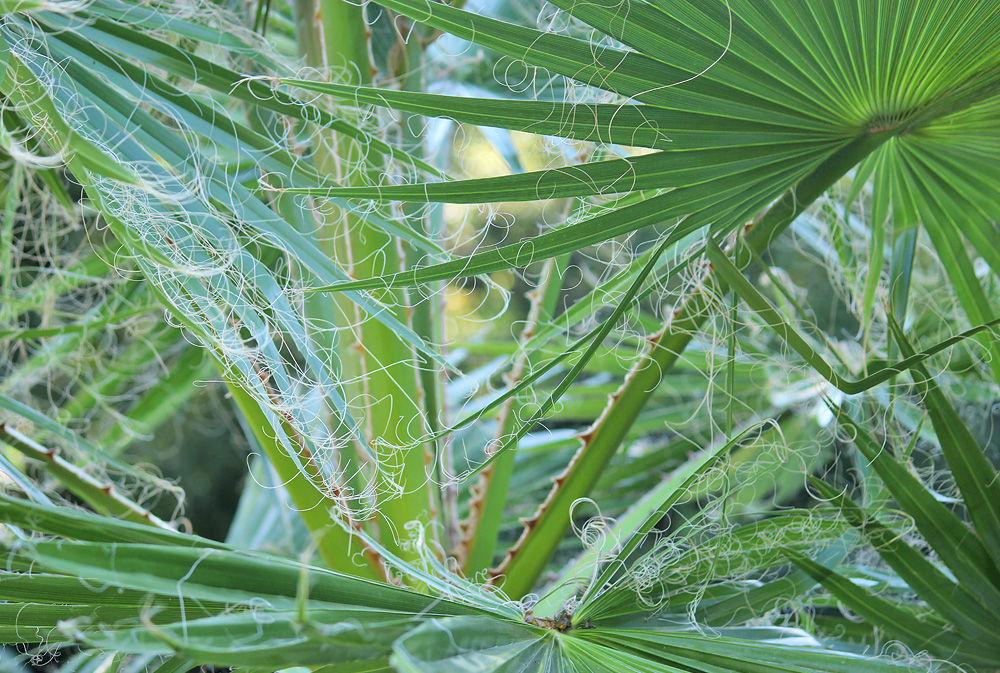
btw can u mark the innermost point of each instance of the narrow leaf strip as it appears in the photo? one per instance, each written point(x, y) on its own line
point(950, 599)
point(598, 340)
point(659, 501)
point(959, 548)
point(975, 477)
point(755, 300)
point(894, 619)
point(77, 524)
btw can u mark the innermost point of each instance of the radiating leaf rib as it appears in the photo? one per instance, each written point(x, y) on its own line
point(572, 57)
point(276, 639)
point(656, 504)
point(470, 644)
point(42, 588)
point(901, 271)
point(82, 525)
point(36, 622)
point(713, 653)
point(942, 219)
point(693, 42)
point(233, 577)
point(963, 178)
point(623, 124)
point(607, 655)
point(714, 43)
point(627, 73)
point(707, 201)
point(742, 551)
point(661, 170)
point(882, 202)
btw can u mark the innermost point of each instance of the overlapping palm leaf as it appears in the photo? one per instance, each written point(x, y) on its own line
point(741, 100)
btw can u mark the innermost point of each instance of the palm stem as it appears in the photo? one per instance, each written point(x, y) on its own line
point(489, 496)
point(337, 38)
point(306, 488)
point(426, 318)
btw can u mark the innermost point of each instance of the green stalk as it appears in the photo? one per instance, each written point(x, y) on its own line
point(102, 496)
point(425, 319)
point(526, 560)
point(305, 485)
point(386, 365)
point(328, 311)
point(317, 510)
point(12, 199)
point(301, 477)
point(489, 497)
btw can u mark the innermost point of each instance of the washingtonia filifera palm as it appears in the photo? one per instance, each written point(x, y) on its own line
point(269, 228)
